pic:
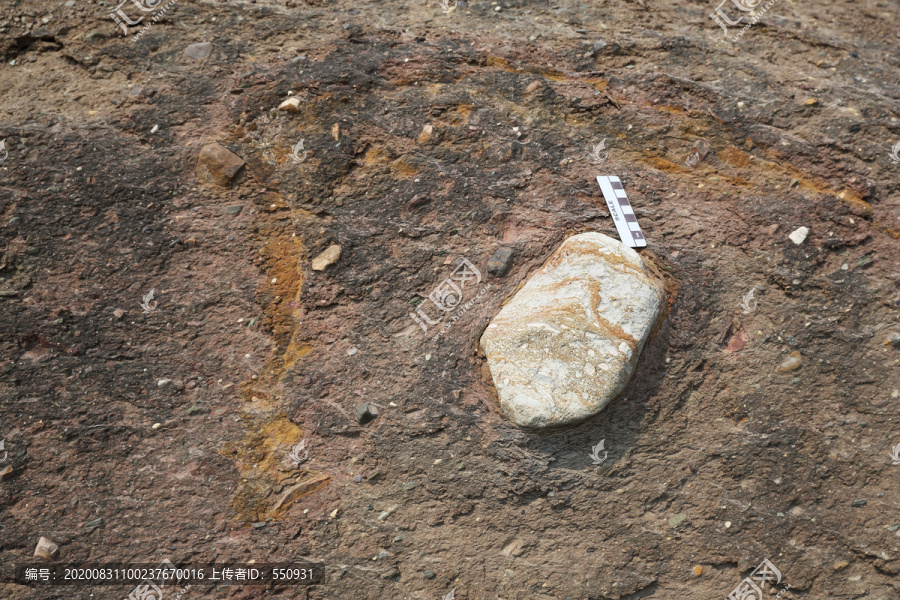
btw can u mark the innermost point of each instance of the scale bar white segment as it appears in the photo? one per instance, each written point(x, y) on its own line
point(621, 211)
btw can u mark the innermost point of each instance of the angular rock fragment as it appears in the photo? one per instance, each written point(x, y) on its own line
point(698, 152)
point(330, 256)
point(199, 51)
point(217, 164)
point(366, 413)
point(290, 105)
point(798, 236)
point(426, 135)
point(568, 341)
point(500, 262)
point(46, 549)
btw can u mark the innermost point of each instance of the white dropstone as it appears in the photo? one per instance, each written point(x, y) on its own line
point(567, 343)
point(798, 236)
point(291, 104)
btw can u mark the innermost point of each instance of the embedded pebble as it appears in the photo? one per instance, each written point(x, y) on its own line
point(500, 262)
point(793, 362)
point(46, 549)
point(798, 236)
point(426, 135)
point(366, 413)
point(567, 343)
point(198, 51)
point(290, 105)
point(327, 258)
point(217, 164)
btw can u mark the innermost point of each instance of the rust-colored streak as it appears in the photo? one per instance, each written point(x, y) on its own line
point(270, 483)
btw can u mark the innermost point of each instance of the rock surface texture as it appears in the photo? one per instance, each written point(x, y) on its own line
point(568, 341)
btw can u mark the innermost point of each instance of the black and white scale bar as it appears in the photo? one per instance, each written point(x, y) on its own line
point(621, 211)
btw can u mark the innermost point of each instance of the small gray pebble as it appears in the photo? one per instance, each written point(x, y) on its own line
point(500, 263)
point(366, 413)
point(198, 51)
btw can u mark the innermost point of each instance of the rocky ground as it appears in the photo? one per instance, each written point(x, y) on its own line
point(753, 429)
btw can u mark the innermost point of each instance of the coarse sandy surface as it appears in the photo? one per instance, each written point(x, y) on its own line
point(136, 436)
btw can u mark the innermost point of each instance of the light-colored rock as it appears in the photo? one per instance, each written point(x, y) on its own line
point(426, 135)
point(567, 343)
point(291, 104)
point(327, 258)
point(199, 51)
point(798, 236)
point(793, 362)
point(893, 339)
point(217, 164)
point(46, 549)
